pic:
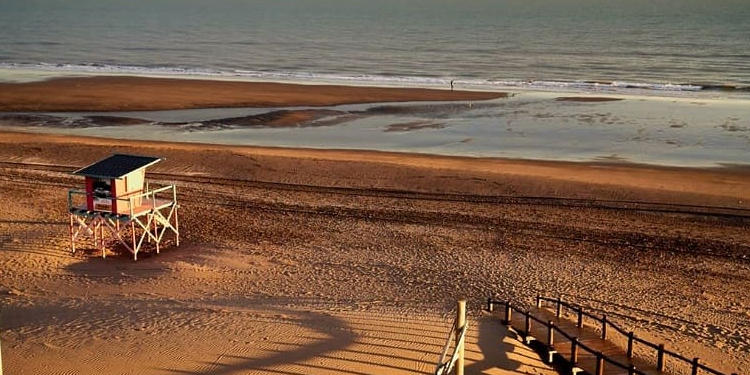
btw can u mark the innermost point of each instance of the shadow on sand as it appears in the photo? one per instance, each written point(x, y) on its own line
point(335, 344)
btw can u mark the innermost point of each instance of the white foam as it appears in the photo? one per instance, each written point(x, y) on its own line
point(358, 79)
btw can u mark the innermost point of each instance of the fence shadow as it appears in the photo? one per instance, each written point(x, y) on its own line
point(500, 352)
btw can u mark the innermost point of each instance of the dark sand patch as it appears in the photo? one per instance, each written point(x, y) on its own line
point(414, 125)
point(23, 119)
point(274, 119)
point(586, 99)
point(114, 120)
point(612, 158)
point(733, 127)
point(433, 110)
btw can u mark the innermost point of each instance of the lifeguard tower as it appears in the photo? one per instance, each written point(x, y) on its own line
point(119, 202)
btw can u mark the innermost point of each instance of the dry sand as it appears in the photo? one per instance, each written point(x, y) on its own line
point(142, 93)
point(330, 262)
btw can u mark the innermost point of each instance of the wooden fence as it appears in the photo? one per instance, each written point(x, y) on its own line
point(601, 359)
point(458, 333)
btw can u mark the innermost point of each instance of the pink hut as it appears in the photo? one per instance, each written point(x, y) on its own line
point(118, 199)
point(111, 181)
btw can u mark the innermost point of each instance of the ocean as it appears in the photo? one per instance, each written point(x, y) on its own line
point(608, 45)
point(682, 68)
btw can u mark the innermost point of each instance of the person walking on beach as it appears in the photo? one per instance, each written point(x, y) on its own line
point(451, 85)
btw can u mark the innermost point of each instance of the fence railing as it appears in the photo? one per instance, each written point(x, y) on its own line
point(458, 333)
point(601, 359)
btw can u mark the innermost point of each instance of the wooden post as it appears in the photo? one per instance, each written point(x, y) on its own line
point(156, 232)
point(695, 366)
point(631, 336)
point(508, 313)
point(72, 237)
point(101, 238)
point(1, 358)
point(580, 317)
point(490, 306)
point(599, 364)
point(574, 351)
point(132, 229)
point(550, 333)
point(660, 358)
point(176, 223)
point(528, 324)
point(604, 327)
point(460, 324)
point(631, 369)
point(559, 307)
point(538, 301)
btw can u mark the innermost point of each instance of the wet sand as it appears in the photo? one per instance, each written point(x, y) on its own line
point(142, 93)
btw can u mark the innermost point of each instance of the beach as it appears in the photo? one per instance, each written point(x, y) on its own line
point(112, 93)
point(333, 178)
point(323, 261)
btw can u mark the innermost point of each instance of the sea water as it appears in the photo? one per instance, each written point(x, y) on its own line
point(681, 66)
point(591, 44)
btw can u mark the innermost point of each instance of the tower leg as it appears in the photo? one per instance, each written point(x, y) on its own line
point(101, 238)
point(132, 233)
point(176, 226)
point(156, 233)
point(72, 237)
point(148, 228)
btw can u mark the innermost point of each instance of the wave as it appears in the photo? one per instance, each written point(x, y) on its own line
point(369, 79)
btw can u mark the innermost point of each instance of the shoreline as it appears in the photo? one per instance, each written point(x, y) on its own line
point(638, 88)
point(134, 93)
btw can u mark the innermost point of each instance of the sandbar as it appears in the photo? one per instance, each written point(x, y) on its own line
point(115, 93)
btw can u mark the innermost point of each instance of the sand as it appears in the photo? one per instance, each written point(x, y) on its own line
point(117, 93)
point(301, 261)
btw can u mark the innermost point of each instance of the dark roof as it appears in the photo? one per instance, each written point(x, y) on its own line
point(116, 166)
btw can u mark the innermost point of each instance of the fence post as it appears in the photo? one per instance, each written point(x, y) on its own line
point(538, 301)
point(631, 369)
point(574, 351)
point(550, 333)
point(631, 336)
point(660, 358)
point(528, 324)
point(460, 325)
point(604, 327)
point(1, 358)
point(490, 305)
point(599, 364)
point(508, 313)
point(695, 366)
point(580, 316)
point(559, 306)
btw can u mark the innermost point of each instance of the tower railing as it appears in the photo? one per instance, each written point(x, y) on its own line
point(154, 196)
